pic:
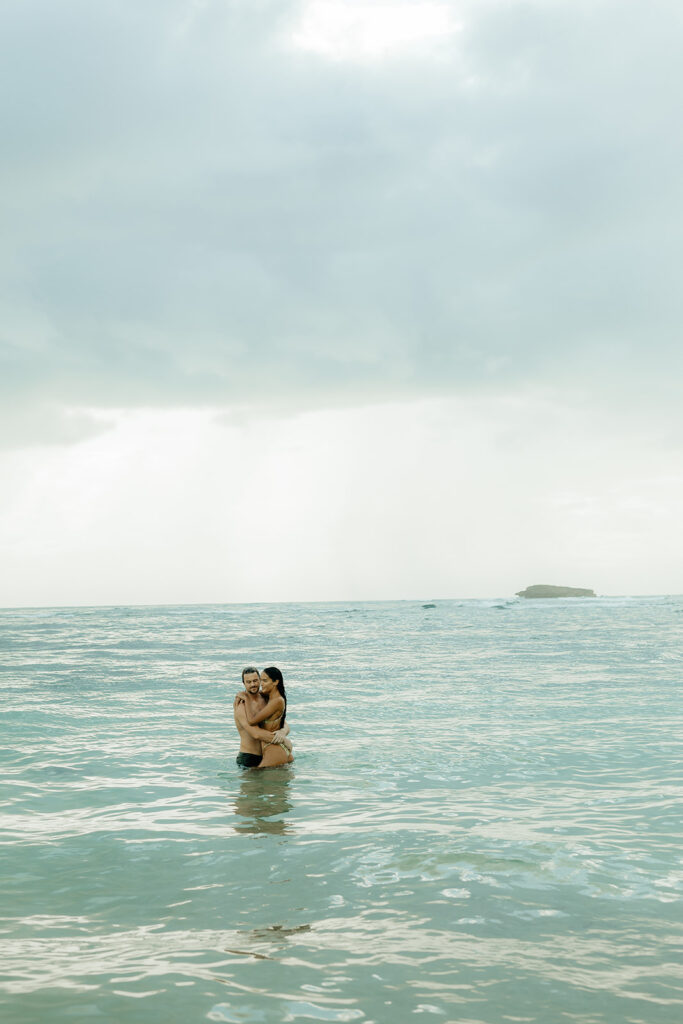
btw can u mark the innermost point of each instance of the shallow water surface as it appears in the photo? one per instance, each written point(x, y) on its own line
point(482, 823)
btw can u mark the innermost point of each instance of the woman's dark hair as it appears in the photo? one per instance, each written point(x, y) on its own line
point(276, 675)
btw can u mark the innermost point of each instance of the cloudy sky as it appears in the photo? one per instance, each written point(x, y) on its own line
point(339, 299)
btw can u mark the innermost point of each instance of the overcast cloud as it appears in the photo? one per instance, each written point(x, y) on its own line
point(340, 222)
point(196, 208)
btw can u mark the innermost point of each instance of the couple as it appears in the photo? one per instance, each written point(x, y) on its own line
point(260, 719)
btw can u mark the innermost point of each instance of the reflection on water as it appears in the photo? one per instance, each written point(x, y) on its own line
point(262, 798)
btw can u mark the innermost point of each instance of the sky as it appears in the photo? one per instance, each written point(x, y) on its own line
point(326, 300)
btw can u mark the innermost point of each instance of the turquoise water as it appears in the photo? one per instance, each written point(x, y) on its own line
point(482, 823)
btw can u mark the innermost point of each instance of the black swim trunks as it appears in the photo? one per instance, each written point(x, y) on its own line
point(248, 760)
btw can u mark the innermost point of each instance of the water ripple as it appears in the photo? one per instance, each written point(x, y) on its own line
point(482, 822)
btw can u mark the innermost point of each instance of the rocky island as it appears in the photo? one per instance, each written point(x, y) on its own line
point(545, 590)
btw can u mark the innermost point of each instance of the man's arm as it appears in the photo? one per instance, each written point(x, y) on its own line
point(275, 704)
point(252, 730)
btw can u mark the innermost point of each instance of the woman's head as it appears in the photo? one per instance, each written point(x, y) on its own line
point(271, 679)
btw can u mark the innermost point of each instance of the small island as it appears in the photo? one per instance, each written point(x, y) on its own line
point(545, 590)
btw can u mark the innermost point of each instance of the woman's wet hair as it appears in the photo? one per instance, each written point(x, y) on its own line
point(276, 675)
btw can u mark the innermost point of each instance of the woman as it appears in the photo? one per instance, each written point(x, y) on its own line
point(271, 718)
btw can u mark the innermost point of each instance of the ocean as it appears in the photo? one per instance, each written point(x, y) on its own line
point(482, 823)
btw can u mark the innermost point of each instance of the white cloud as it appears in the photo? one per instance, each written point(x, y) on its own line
point(358, 30)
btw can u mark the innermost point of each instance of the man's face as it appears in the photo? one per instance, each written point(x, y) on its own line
point(252, 681)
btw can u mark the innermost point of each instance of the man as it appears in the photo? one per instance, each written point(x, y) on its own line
point(251, 752)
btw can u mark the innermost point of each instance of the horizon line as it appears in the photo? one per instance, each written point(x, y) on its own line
point(391, 600)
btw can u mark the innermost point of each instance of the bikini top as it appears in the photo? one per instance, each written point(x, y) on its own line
point(272, 723)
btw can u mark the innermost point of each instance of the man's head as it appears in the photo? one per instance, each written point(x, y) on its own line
point(251, 679)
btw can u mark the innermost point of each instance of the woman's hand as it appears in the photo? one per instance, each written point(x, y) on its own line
point(239, 699)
